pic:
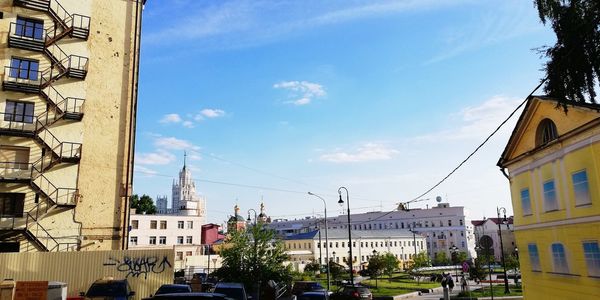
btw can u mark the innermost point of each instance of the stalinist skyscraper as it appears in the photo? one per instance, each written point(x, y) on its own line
point(185, 200)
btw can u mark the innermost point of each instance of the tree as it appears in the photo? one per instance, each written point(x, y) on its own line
point(441, 259)
point(459, 257)
point(336, 270)
point(375, 267)
point(420, 260)
point(390, 264)
point(477, 270)
point(143, 205)
point(313, 267)
point(253, 257)
point(573, 67)
point(512, 263)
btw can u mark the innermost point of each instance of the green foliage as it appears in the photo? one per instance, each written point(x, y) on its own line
point(254, 256)
point(312, 267)
point(441, 259)
point(511, 262)
point(477, 270)
point(459, 257)
point(390, 264)
point(336, 270)
point(420, 260)
point(573, 67)
point(142, 205)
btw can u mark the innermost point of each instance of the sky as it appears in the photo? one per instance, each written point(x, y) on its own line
point(273, 99)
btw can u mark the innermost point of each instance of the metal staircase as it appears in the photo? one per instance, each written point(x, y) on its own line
point(58, 108)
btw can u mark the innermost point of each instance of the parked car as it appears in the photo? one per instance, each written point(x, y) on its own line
point(173, 289)
point(319, 295)
point(191, 296)
point(110, 289)
point(306, 286)
point(350, 292)
point(231, 290)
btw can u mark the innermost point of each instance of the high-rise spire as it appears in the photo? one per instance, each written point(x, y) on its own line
point(184, 157)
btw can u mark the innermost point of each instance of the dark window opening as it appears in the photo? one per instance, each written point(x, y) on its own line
point(11, 205)
point(17, 111)
point(546, 132)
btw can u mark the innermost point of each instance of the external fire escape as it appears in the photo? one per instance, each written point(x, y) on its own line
point(39, 128)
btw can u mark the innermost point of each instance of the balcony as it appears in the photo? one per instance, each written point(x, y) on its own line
point(17, 125)
point(15, 172)
point(40, 5)
point(26, 37)
point(20, 80)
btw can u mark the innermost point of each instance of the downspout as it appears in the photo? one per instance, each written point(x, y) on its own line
point(132, 115)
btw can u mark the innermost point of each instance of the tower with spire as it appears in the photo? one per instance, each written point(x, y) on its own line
point(185, 200)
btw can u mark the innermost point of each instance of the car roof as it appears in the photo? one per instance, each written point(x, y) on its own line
point(229, 285)
point(314, 293)
point(192, 294)
point(175, 285)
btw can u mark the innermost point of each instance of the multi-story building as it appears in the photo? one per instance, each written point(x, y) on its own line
point(553, 164)
point(67, 122)
point(488, 229)
point(309, 247)
point(443, 226)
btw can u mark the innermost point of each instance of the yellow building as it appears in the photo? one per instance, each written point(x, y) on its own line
point(67, 122)
point(553, 163)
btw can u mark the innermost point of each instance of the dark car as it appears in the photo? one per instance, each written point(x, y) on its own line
point(231, 290)
point(350, 292)
point(110, 289)
point(191, 296)
point(173, 289)
point(306, 286)
point(320, 295)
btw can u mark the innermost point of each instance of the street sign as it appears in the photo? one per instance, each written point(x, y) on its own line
point(465, 267)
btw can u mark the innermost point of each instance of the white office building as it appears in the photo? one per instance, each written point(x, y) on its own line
point(443, 226)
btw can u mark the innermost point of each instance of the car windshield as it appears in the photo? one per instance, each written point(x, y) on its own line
point(108, 289)
point(232, 293)
point(169, 289)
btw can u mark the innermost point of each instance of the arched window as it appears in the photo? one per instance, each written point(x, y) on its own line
point(546, 132)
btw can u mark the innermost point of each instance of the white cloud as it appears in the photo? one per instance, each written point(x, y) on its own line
point(303, 92)
point(170, 118)
point(174, 143)
point(160, 157)
point(188, 124)
point(368, 152)
point(147, 172)
point(478, 121)
point(212, 113)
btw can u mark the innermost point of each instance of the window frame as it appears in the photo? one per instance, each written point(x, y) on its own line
point(153, 224)
point(592, 259)
point(189, 239)
point(12, 205)
point(180, 240)
point(28, 69)
point(12, 114)
point(180, 224)
point(553, 192)
point(529, 211)
point(152, 240)
point(162, 240)
point(534, 261)
point(35, 29)
point(135, 224)
point(133, 240)
point(560, 259)
point(580, 183)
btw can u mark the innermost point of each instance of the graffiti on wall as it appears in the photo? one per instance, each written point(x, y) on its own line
point(139, 266)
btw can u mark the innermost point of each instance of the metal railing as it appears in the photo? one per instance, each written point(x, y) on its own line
point(15, 170)
point(60, 12)
point(22, 76)
point(40, 233)
point(78, 62)
point(27, 31)
point(80, 21)
point(15, 122)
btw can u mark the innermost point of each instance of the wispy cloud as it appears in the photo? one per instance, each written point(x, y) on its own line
point(365, 153)
point(173, 143)
point(170, 118)
point(476, 122)
point(159, 157)
point(146, 172)
point(302, 92)
point(210, 113)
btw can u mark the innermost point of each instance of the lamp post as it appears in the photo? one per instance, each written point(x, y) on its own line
point(326, 239)
point(477, 250)
point(454, 251)
point(341, 202)
point(375, 254)
point(504, 221)
point(249, 220)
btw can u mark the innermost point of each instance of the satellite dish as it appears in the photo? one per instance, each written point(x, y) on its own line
point(438, 198)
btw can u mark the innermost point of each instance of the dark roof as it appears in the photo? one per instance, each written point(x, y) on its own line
point(303, 236)
point(495, 220)
point(530, 99)
point(343, 233)
point(477, 222)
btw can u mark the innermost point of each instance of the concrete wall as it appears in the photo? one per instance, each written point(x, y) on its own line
point(145, 270)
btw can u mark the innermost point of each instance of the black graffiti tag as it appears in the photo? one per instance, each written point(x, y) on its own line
point(140, 266)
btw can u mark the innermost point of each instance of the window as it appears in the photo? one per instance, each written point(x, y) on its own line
point(152, 240)
point(525, 202)
point(559, 258)
point(534, 257)
point(163, 224)
point(460, 222)
point(179, 240)
point(592, 257)
point(162, 240)
point(190, 224)
point(14, 157)
point(188, 239)
point(546, 132)
point(188, 253)
point(581, 188)
point(550, 202)
point(153, 224)
point(29, 28)
point(135, 224)
point(133, 240)
point(449, 222)
point(11, 205)
point(24, 68)
point(18, 111)
point(179, 255)
point(180, 224)
point(342, 245)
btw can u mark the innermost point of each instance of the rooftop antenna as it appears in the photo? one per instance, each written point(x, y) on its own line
point(184, 158)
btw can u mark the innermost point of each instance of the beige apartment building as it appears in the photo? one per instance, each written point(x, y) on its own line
point(67, 122)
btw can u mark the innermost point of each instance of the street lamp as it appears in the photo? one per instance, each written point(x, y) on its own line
point(504, 221)
point(376, 283)
point(486, 255)
point(249, 220)
point(326, 239)
point(341, 202)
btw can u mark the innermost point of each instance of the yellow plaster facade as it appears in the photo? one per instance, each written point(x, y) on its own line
point(68, 150)
point(555, 188)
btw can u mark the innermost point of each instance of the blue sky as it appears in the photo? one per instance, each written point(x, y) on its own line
point(272, 99)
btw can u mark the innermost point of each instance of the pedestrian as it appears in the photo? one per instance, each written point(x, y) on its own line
point(463, 284)
point(450, 282)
